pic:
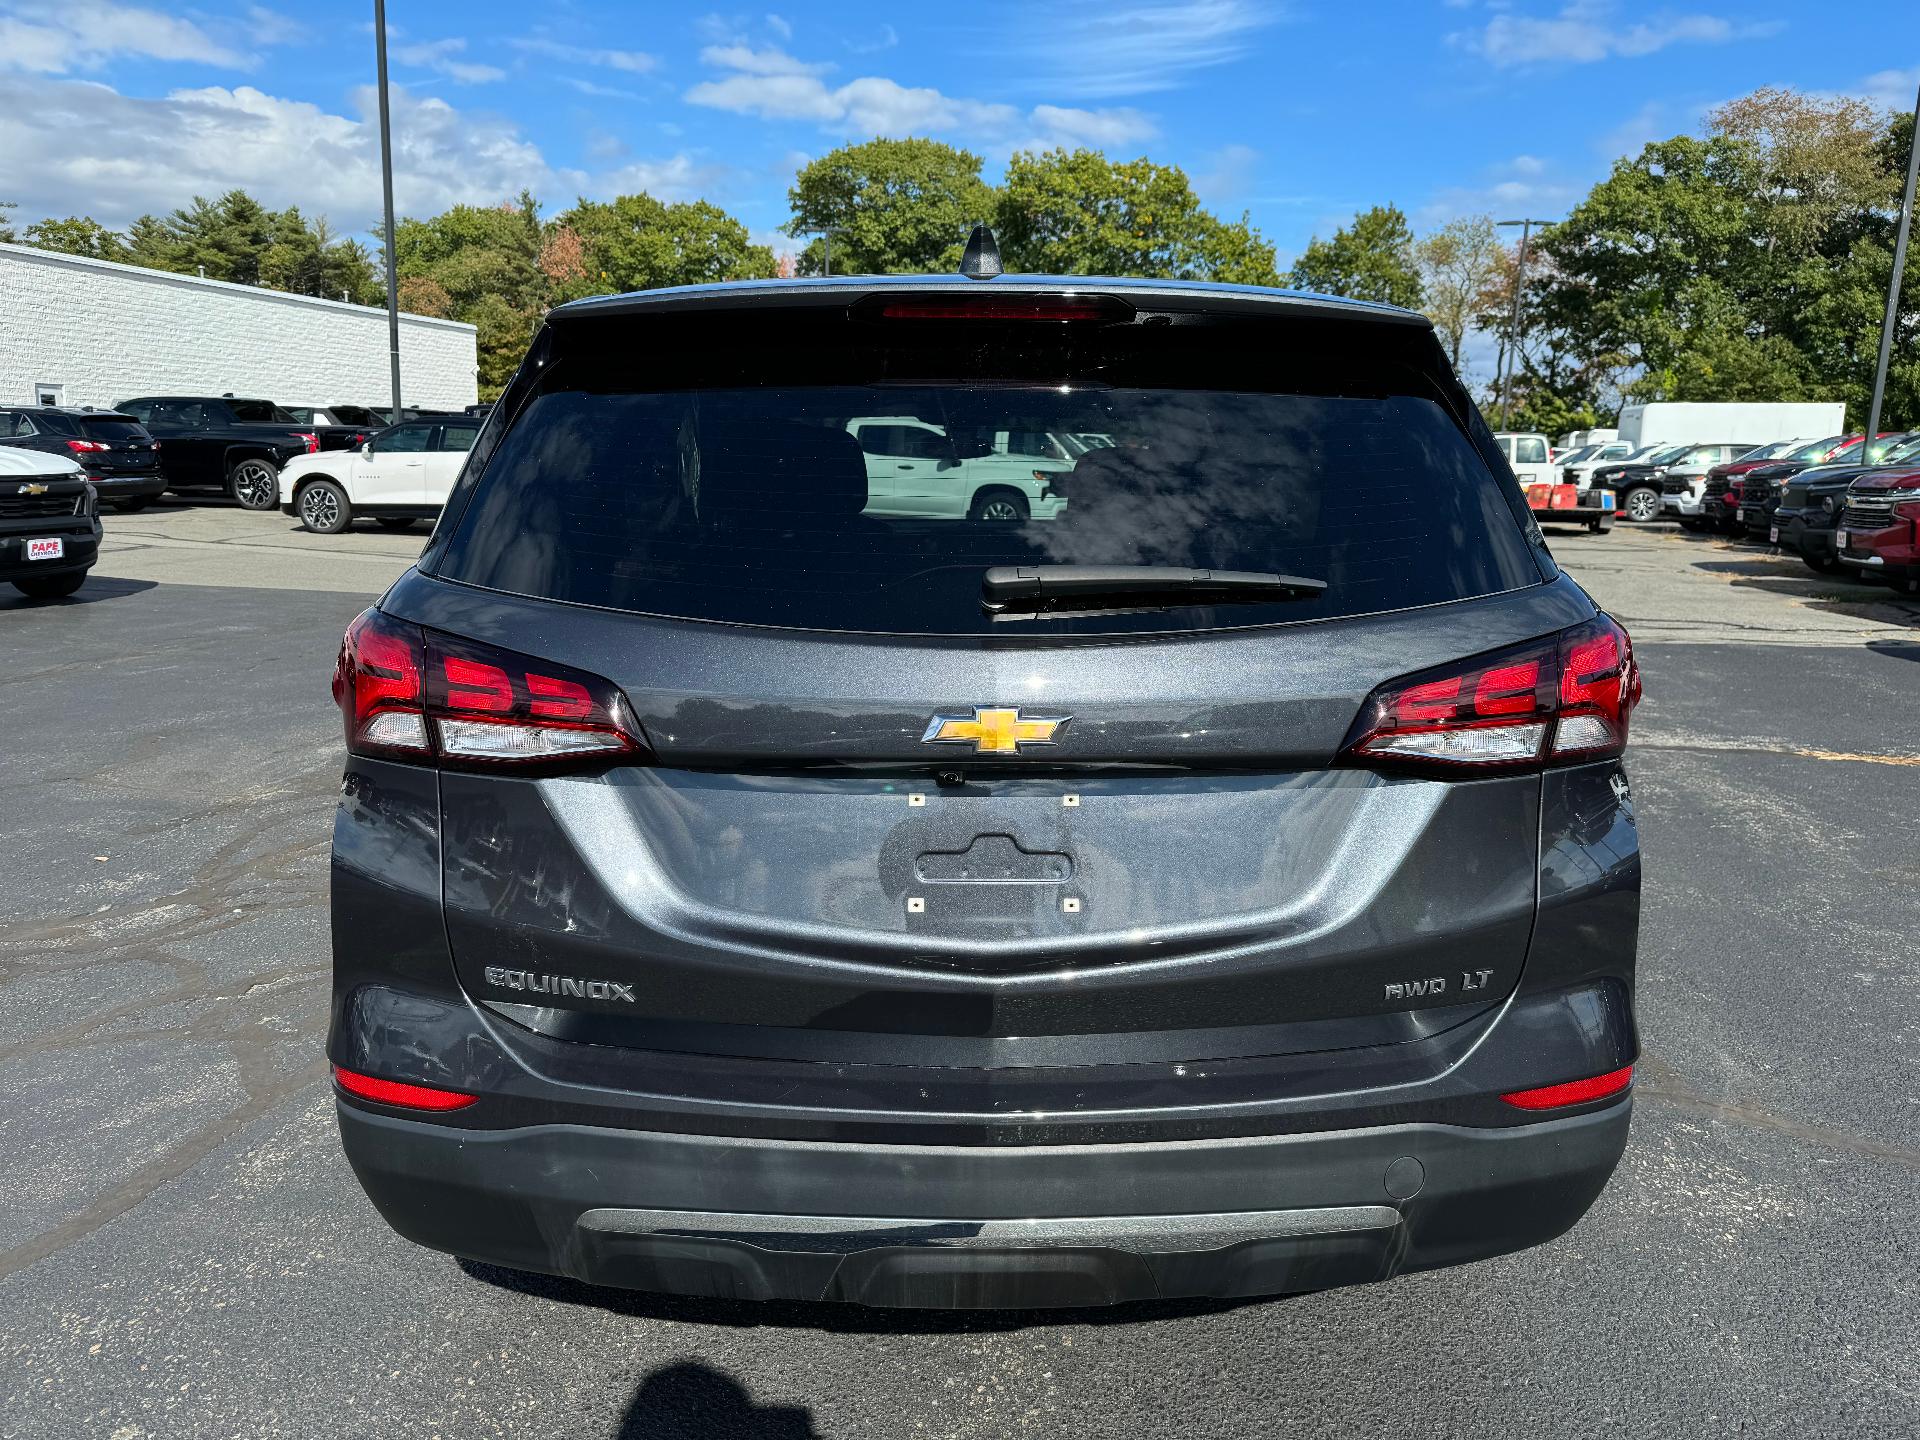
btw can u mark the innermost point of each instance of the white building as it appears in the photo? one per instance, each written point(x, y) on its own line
point(91, 332)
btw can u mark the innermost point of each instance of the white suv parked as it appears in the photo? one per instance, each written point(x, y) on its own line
point(915, 467)
point(402, 474)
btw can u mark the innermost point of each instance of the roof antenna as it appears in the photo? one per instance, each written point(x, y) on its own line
point(982, 258)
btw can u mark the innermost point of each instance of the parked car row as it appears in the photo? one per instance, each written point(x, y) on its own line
point(143, 447)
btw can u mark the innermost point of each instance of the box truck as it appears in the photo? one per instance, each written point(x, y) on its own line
point(1678, 422)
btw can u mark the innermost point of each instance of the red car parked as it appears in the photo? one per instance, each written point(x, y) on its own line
point(1879, 531)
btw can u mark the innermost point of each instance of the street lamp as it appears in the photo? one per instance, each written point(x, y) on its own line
point(1893, 286)
point(1512, 343)
point(386, 184)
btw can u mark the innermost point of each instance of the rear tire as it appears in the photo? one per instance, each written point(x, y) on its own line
point(324, 507)
point(1641, 504)
point(254, 484)
point(54, 587)
point(1001, 505)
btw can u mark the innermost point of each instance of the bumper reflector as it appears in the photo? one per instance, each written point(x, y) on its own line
point(1573, 1092)
point(398, 1092)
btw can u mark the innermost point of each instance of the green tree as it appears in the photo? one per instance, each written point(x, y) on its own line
point(76, 235)
point(480, 264)
point(6, 221)
point(898, 207)
point(1371, 259)
point(233, 238)
point(636, 242)
point(1748, 263)
point(1457, 263)
point(1078, 213)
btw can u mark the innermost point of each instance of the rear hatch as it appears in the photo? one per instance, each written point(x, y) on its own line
point(877, 814)
point(123, 446)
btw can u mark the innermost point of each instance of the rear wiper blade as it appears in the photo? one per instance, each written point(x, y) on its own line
point(1082, 589)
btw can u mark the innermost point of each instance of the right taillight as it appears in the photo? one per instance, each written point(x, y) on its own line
point(412, 694)
point(1556, 701)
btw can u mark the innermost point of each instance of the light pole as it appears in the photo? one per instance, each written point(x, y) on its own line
point(826, 234)
point(1893, 288)
point(1512, 345)
point(386, 185)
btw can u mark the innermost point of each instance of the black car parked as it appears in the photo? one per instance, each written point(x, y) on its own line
point(759, 875)
point(120, 457)
point(229, 444)
point(49, 523)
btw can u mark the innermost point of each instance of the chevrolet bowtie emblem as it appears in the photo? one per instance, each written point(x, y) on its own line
point(994, 730)
point(33, 489)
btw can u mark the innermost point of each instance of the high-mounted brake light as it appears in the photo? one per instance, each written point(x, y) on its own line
point(406, 693)
point(1573, 1092)
point(1561, 700)
point(399, 1092)
point(1001, 306)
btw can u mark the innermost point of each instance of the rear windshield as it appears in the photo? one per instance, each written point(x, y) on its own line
point(1529, 450)
point(111, 429)
point(877, 506)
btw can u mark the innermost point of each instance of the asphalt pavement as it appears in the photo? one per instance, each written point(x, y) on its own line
point(184, 1253)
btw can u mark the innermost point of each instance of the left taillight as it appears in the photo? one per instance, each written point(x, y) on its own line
point(1562, 700)
point(87, 447)
point(412, 694)
point(312, 442)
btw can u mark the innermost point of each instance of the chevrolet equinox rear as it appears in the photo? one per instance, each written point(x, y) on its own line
point(764, 872)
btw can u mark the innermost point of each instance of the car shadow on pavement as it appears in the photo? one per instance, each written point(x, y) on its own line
point(837, 1318)
point(91, 593)
point(690, 1401)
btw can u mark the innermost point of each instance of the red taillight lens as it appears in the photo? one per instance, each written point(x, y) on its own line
point(398, 1092)
point(413, 694)
point(1574, 1092)
point(379, 683)
point(86, 447)
point(1563, 699)
point(312, 442)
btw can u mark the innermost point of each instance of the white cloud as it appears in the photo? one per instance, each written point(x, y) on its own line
point(1586, 31)
point(1894, 89)
point(120, 156)
point(1636, 132)
point(85, 34)
point(1097, 129)
point(780, 26)
point(775, 86)
point(633, 62)
point(1111, 47)
point(886, 39)
point(270, 27)
point(443, 58)
point(750, 61)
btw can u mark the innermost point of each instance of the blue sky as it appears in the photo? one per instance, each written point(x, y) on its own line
point(1299, 111)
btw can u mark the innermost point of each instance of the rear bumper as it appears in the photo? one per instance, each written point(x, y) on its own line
point(143, 485)
point(981, 1226)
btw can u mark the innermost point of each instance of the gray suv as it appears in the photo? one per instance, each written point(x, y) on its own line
point(1222, 884)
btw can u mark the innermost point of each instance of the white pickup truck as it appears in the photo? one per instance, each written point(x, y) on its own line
point(915, 468)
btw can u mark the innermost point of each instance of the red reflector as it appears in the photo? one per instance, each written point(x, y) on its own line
point(398, 1092)
point(1574, 1092)
point(1000, 307)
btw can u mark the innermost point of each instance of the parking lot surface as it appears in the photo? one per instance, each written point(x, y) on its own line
point(184, 1253)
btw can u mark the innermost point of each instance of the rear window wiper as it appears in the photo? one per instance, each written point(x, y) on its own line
point(1083, 589)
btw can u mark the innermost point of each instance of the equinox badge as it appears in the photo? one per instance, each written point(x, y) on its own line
point(994, 730)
